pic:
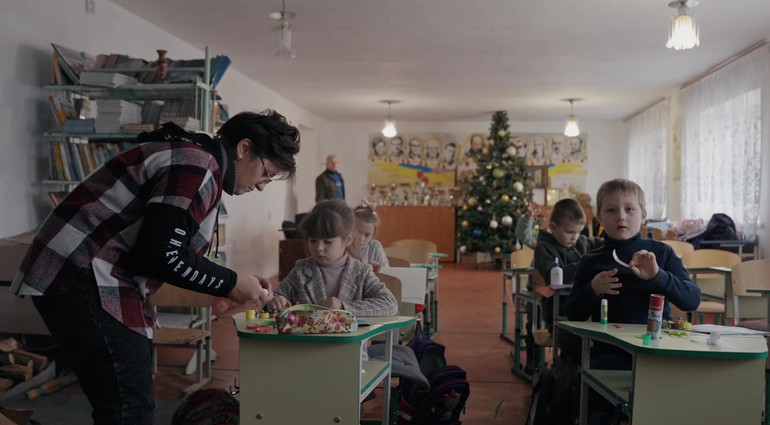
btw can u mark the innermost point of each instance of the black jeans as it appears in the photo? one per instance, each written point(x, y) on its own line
point(112, 362)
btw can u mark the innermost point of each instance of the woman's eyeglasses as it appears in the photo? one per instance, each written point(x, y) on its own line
point(267, 173)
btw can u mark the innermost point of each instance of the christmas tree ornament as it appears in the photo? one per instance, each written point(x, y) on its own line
point(518, 186)
point(487, 201)
point(511, 151)
point(481, 179)
point(505, 198)
point(464, 224)
point(489, 166)
point(463, 249)
point(493, 224)
point(497, 250)
point(485, 150)
point(477, 233)
point(501, 133)
point(471, 201)
point(507, 220)
point(479, 208)
point(465, 207)
point(498, 173)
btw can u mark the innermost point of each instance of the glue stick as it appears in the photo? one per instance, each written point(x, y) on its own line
point(655, 316)
point(604, 311)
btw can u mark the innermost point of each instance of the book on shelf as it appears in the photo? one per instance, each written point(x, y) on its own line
point(76, 125)
point(57, 197)
point(137, 128)
point(187, 123)
point(105, 79)
point(73, 62)
point(63, 109)
point(77, 159)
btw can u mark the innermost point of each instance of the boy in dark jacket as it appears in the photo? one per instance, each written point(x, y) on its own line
point(561, 240)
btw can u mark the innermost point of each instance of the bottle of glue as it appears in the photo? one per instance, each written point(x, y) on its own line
point(604, 311)
point(557, 274)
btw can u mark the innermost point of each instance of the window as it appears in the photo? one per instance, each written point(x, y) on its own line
point(721, 142)
point(647, 165)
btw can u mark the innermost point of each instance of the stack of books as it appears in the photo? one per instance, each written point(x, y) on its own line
point(105, 79)
point(113, 114)
point(137, 128)
point(187, 123)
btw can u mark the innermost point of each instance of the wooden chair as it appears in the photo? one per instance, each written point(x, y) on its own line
point(412, 254)
point(418, 253)
point(398, 262)
point(752, 274)
point(657, 234)
point(427, 245)
point(645, 231)
point(680, 247)
point(197, 335)
point(670, 235)
point(404, 309)
point(715, 293)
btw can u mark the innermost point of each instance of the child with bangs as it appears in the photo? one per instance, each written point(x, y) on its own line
point(367, 222)
point(333, 276)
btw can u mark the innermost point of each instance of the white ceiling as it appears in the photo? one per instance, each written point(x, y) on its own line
point(460, 60)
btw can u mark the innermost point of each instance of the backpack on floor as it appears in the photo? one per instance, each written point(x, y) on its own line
point(555, 394)
point(449, 389)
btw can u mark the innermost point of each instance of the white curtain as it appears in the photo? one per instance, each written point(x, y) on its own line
point(721, 142)
point(647, 165)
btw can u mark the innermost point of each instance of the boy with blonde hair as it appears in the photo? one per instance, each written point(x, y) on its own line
point(626, 271)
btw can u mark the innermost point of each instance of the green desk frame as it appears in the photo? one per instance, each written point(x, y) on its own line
point(312, 379)
point(677, 380)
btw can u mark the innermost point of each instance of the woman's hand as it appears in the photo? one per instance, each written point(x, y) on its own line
point(250, 289)
point(606, 283)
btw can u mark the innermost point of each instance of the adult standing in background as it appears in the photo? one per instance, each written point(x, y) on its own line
point(146, 217)
point(329, 184)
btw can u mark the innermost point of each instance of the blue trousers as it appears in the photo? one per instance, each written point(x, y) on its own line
point(113, 363)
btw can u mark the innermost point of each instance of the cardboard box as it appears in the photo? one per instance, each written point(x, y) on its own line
point(22, 387)
point(12, 251)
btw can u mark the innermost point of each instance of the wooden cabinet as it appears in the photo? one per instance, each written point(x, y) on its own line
point(436, 224)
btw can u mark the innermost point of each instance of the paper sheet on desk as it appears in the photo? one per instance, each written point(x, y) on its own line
point(725, 330)
point(412, 282)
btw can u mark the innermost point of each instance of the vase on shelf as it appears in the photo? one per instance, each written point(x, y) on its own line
point(161, 66)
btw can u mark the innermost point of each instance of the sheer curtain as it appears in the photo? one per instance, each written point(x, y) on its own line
point(721, 141)
point(647, 157)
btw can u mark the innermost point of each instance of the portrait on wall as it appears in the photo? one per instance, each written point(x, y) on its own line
point(408, 158)
point(539, 176)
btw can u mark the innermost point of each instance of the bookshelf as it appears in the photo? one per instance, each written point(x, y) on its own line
point(74, 151)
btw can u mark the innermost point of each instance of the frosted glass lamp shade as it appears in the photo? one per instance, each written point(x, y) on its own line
point(390, 128)
point(571, 129)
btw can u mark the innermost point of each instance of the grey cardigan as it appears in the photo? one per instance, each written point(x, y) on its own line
point(361, 292)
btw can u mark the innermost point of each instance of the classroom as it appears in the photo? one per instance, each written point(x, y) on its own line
point(440, 69)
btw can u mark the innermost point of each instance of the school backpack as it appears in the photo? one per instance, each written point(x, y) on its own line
point(449, 389)
point(555, 394)
point(719, 228)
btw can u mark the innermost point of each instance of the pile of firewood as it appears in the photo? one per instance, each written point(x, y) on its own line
point(17, 365)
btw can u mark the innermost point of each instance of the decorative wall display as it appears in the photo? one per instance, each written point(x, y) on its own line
point(434, 159)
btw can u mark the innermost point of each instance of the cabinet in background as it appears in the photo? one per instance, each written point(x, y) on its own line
point(432, 223)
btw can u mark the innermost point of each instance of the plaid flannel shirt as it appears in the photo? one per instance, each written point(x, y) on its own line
point(98, 222)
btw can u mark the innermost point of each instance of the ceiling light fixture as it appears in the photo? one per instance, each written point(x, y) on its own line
point(282, 33)
point(683, 27)
point(390, 124)
point(571, 129)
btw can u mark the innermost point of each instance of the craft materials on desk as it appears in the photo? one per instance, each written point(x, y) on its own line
point(604, 311)
point(655, 316)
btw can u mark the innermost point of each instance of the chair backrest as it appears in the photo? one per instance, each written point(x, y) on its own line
point(393, 284)
point(173, 296)
point(752, 274)
point(645, 231)
point(412, 254)
point(421, 243)
point(710, 258)
point(398, 262)
point(657, 234)
point(670, 235)
point(680, 247)
point(523, 257)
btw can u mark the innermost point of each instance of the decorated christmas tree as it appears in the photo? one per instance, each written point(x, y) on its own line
point(495, 196)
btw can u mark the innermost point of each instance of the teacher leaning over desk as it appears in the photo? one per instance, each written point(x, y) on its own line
point(146, 217)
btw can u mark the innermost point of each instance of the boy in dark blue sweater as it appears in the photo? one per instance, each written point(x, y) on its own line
point(652, 268)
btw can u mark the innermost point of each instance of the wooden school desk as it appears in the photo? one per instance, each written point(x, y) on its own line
point(677, 380)
point(311, 379)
